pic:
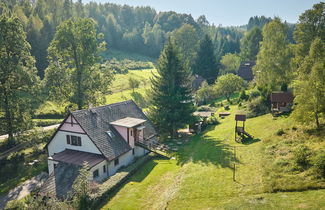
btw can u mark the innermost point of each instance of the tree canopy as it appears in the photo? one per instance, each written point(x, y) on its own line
point(250, 44)
point(74, 74)
point(228, 84)
point(230, 63)
point(18, 77)
point(273, 60)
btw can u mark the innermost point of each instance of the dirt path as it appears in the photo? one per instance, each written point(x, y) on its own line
point(23, 190)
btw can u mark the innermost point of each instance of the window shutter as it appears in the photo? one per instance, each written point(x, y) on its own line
point(68, 139)
point(79, 141)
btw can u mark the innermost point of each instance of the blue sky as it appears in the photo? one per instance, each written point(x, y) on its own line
point(227, 12)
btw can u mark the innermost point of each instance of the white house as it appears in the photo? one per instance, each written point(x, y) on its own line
point(105, 137)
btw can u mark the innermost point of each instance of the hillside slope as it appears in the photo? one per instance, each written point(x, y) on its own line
point(201, 177)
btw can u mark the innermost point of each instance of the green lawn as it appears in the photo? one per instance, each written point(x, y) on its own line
point(201, 177)
point(121, 80)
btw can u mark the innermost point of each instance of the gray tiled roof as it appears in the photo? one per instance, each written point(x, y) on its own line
point(245, 70)
point(96, 122)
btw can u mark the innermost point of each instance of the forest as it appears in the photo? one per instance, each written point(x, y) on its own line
point(71, 56)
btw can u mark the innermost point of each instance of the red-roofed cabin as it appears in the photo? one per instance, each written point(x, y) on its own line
point(281, 101)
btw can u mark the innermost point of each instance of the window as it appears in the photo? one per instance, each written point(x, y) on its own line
point(76, 140)
point(116, 162)
point(95, 174)
point(68, 139)
point(110, 133)
point(133, 151)
point(55, 165)
point(131, 133)
point(104, 169)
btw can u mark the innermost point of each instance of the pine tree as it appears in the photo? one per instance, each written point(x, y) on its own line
point(206, 64)
point(171, 94)
point(18, 77)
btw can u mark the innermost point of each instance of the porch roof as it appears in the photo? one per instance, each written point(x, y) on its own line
point(128, 122)
point(78, 157)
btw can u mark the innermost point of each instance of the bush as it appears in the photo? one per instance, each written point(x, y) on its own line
point(319, 165)
point(16, 204)
point(254, 94)
point(301, 156)
point(212, 120)
point(280, 132)
point(243, 96)
point(257, 107)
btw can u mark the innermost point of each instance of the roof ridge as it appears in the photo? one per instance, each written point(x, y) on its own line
point(107, 105)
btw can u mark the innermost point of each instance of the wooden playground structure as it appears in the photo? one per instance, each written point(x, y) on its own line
point(240, 132)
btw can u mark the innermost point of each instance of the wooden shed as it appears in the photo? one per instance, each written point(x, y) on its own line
point(281, 101)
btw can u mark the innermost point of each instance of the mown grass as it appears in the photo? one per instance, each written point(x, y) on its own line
point(201, 177)
point(121, 81)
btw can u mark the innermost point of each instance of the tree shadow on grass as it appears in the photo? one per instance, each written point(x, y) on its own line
point(204, 149)
point(248, 141)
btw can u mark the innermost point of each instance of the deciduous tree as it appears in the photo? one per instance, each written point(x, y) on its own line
point(228, 84)
point(310, 85)
point(74, 74)
point(230, 63)
point(18, 77)
point(273, 60)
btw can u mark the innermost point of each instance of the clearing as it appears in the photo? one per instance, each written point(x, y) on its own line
point(201, 177)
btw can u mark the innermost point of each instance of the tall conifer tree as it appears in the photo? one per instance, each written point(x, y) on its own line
point(206, 63)
point(171, 93)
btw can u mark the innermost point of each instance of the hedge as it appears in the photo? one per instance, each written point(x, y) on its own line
point(117, 180)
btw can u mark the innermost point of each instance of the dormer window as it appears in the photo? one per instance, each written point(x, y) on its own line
point(110, 134)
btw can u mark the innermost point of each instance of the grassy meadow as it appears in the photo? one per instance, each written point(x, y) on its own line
point(201, 176)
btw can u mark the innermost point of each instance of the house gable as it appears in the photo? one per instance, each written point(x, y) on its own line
point(59, 143)
point(71, 125)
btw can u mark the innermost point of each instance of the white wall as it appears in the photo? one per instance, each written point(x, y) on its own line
point(50, 165)
point(59, 144)
point(102, 174)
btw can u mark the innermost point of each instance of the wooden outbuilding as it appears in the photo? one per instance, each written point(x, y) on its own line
point(281, 102)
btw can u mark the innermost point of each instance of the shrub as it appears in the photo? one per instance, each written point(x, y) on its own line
point(319, 165)
point(280, 132)
point(254, 94)
point(16, 204)
point(301, 156)
point(212, 120)
point(243, 96)
point(257, 107)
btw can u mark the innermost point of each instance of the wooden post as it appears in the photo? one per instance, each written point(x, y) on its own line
point(234, 173)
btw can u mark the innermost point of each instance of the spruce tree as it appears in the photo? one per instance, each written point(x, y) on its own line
point(171, 93)
point(206, 64)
